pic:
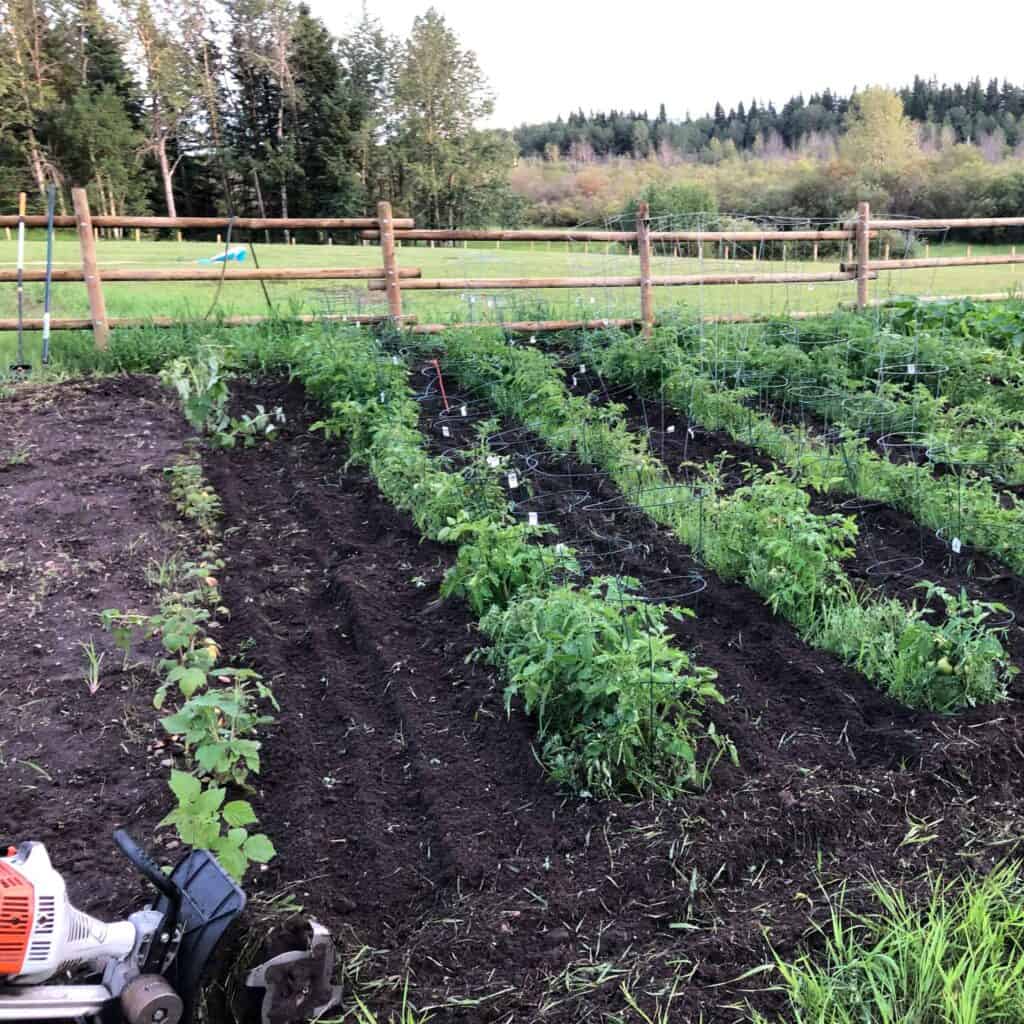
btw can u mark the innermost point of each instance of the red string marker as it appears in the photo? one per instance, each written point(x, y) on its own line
point(440, 380)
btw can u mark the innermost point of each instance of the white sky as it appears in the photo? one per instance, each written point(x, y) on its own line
point(547, 57)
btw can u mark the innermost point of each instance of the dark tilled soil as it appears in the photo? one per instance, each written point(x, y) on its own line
point(83, 510)
point(408, 810)
point(411, 816)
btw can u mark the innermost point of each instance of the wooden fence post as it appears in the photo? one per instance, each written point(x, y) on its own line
point(387, 248)
point(863, 233)
point(643, 247)
point(93, 284)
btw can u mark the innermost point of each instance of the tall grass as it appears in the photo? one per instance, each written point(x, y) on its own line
point(956, 958)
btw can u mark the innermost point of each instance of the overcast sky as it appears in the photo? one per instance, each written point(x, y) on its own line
point(547, 57)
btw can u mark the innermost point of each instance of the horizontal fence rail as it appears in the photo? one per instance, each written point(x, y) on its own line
point(243, 223)
point(662, 280)
point(529, 235)
point(949, 224)
point(939, 261)
point(83, 324)
point(393, 279)
point(198, 274)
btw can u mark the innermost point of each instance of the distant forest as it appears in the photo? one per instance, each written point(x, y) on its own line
point(989, 116)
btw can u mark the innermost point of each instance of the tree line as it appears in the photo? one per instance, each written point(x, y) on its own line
point(990, 116)
point(252, 107)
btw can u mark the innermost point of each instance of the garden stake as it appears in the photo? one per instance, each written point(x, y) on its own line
point(51, 202)
point(21, 367)
point(440, 381)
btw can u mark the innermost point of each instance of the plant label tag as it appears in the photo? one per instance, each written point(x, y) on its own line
point(445, 432)
point(382, 398)
point(532, 519)
point(493, 461)
point(533, 339)
point(956, 546)
point(574, 380)
point(911, 368)
point(560, 548)
point(670, 429)
point(513, 480)
point(583, 367)
point(463, 411)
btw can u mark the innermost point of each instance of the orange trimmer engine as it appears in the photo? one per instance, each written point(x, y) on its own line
point(17, 911)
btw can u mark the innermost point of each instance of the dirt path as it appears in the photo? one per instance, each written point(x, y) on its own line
point(83, 512)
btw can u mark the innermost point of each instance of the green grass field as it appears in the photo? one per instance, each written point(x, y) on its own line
point(190, 300)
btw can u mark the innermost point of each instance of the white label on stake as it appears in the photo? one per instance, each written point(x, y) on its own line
point(911, 368)
point(382, 398)
point(532, 519)
point(463, 411)
point(513, 480)
point(956, 545)
point(671, 429)
point(574, 380)
point(493, 461)
point(583, 367)
point(445, 432)
point(533, 339)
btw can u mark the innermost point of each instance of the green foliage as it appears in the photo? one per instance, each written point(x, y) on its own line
point(216, 723)
point(762, 533)
point(681, 200)
point(194, 498)
point(201, 383)
point(496, 562)
point(617, 705)
point(957, 958)
point(515, 584)
point(203, 820)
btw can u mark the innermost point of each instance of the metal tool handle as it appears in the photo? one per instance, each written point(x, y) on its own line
point(147, 866)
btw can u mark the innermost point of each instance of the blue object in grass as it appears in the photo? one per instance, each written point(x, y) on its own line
point(235, 255)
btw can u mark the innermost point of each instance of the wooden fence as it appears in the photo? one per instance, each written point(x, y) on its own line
point(392, 279)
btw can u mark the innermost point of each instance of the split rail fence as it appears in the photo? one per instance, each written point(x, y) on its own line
point(392, 279)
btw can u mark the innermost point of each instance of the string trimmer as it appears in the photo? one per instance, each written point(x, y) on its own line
point(147, 969)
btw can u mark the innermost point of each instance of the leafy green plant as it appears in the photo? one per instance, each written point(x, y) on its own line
point(216, 725)
point(94, 662)
point(497, 562)
point(617, 705)
point(205, 821)
point(201, 382)
point(194, 498)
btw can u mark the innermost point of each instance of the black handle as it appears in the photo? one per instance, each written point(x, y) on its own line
point(147, 866)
